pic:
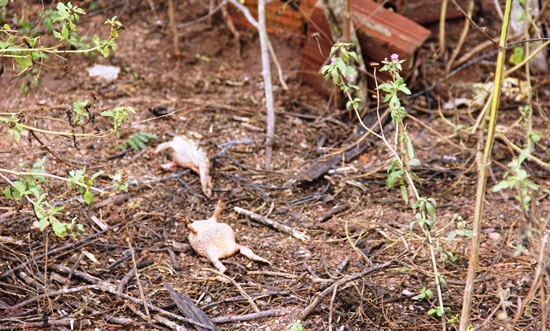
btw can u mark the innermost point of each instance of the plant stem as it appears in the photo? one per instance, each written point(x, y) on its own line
point(20, 174)
point(442, 21)
point(483, 165)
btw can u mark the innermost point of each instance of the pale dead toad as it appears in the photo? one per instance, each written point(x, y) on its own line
point(216, 241)
point(187, 154)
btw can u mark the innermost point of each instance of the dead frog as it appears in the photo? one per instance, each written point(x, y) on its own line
point(216, 241)
point(187, 154)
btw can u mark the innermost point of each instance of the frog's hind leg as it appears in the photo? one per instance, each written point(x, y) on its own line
point(218, 265)
point(250, 254)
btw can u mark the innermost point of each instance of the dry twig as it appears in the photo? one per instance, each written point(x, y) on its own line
point(244, 294)
point(276, 225)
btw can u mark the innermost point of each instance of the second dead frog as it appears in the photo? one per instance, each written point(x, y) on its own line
point(216, 241)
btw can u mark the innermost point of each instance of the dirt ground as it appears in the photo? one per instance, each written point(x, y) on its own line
point(358, 229)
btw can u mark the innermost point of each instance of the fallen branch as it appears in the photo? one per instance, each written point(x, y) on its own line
point(249, 317)
point(65, 322)
point(169, 323)
point(276, 225)
point(74, 273)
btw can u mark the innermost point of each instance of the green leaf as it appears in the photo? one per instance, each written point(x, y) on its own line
point(60, 229)
point(392, 177)
point(88, 197)
point(296, 326)
point(97, 174)
point(503, 184)
point(518, 250)
point(354, 56)
point(452, 235)
point(136, 144)
point(3, 3)
point(43, 223)
point(65, 32)
point(414, 163)
point(7, 193)
point(21, 186)
point(404, 193)
point(517, 55)
point(23, 62)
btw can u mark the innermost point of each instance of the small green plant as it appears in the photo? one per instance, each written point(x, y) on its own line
point(138, 141)
point(518, 178)
point(78, 178)
point(13, 126)
point(119, 115)
point(402, 150)
point(202, 57)
point(25, 49)
point(120, 182)
point(461, 230)
point(425, 293)
point(297, 326)
point(438, 311)
point(453, 319)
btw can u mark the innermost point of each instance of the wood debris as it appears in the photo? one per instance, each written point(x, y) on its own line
point(186, 153)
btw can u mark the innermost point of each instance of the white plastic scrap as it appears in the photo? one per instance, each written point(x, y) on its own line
point(107, 73)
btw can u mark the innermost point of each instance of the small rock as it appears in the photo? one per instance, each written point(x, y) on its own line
point(494, 236)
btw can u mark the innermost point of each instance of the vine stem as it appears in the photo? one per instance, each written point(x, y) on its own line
point(20, 174)
point(484, 163)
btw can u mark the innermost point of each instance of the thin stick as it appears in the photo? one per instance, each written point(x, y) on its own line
point(173, 27)
point(274, 224)
point(463, 35)
point(442, 19)
point(136, 274)
point(169, 323)
point(278, 66)
point(268, 88)
point(331, 308)
point(266, 72)
point(204, 18)
point(243, 293)
point(249, 317)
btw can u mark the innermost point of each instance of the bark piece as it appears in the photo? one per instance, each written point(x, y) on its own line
point(320, 167)
point(189, 309)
